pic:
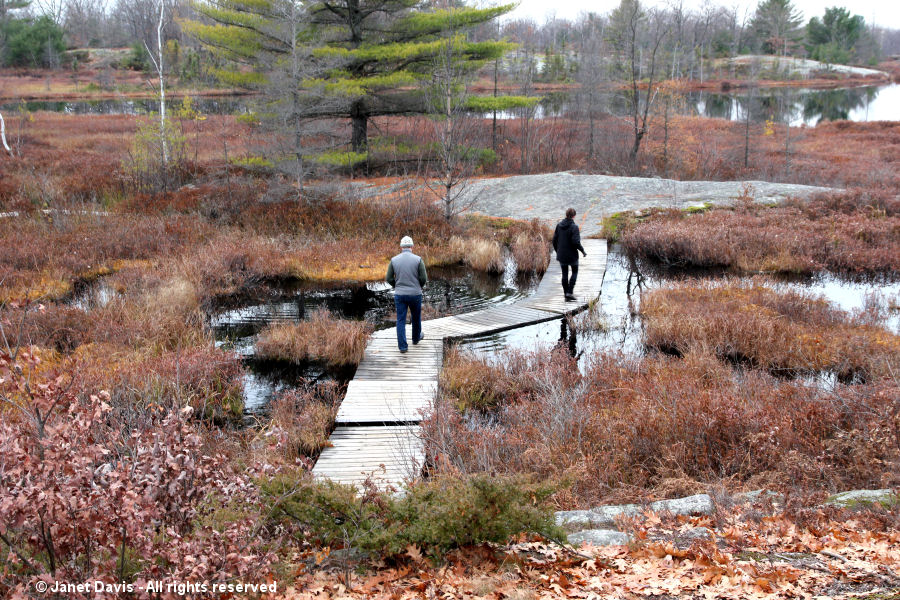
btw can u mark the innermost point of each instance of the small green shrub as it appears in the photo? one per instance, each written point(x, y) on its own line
point(252, 162)
point(616, 224)
point(340, 159)
point(435, 516)
point(137, 59)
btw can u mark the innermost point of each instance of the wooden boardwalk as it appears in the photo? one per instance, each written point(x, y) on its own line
point(377, 433)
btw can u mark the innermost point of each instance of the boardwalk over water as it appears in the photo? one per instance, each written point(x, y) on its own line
point(377, 431)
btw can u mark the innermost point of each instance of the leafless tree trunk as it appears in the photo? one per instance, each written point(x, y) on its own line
point(747, 127)
point(3, 134)
point(630, 34)
point(158, 63)
point(455, 130)
point(591, 74)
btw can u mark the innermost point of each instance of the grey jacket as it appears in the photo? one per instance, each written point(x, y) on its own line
point(406, 274)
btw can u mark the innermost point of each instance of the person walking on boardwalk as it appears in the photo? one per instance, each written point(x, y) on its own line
point(406, 274)
point(566, 242)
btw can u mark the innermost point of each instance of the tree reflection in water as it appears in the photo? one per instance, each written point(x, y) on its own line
point(786, 105)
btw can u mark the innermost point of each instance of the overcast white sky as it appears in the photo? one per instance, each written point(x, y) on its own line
point(882, 12)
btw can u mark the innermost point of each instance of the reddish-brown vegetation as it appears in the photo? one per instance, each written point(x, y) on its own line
point(147, 484)
point(90, 491)
point(302, 420)
point(663, 426)
point(852, 233)
point(93, 80)
point(779, 331)
point(837, 153)
point(336, 342)
point(43, 256)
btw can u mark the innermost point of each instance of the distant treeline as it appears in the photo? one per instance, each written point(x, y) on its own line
point(36, 33)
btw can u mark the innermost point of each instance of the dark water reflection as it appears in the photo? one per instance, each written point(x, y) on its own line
point(450, 290)
point(796, 106)
point(617, 327)
point(210, 105)
point(800, 106)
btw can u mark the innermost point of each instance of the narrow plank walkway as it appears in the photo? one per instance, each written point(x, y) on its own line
point(377, 431)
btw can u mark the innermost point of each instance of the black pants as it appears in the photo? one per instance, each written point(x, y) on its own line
point(569, 283)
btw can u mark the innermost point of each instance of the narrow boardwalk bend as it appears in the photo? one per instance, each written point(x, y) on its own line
point(377, 429)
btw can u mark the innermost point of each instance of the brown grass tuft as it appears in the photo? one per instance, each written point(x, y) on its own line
point(847, 233)
point(480, 254)
point(337, 342)
point(532, 253)
point(302, 419)
point(775, 330)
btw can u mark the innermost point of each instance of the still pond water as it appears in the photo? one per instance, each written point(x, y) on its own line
point(450, 291)
point(454, 291)
point(621, 328)
point(796, 106)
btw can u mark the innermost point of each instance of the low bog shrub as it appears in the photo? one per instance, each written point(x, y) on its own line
point(630, 427)
point(846, 233)
point(433, 516)
point(780, 331)
point(85, 495)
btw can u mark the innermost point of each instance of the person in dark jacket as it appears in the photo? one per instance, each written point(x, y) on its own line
point(407, 275)
point(567, 243)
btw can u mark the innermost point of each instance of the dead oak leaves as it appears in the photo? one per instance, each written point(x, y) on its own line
point(772, 558)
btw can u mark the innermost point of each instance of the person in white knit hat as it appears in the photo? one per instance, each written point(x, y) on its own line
point(406, 274)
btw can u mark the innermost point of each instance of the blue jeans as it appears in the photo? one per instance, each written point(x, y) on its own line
point(414, 304)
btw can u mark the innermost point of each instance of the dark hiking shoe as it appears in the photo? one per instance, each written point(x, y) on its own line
point(403, 351)
point(421, 337)
point(570, 297)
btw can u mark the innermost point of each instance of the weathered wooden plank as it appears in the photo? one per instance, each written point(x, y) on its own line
point(391, 387)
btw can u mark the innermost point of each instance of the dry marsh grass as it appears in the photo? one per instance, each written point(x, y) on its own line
point(337, 342)
point(479, 254)
point(531, 253)
point(660, 425)
point(302, 420)
point(42, 258)
point(850, 233)
point(775, 330)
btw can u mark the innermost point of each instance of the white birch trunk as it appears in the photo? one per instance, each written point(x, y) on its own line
point(3, 134)
point(162, 87)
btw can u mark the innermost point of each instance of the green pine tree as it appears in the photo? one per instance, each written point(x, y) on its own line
point(365, 57)
point(833, 38)
point(776, 26)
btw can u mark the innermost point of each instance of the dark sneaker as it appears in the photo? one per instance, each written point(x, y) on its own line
point(403, 350)
point(421, 337)
point(570, 297)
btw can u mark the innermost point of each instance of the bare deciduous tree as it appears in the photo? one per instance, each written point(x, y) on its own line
point(456, 153)
point(3, 134)
point(593, 72)
point(635, 32)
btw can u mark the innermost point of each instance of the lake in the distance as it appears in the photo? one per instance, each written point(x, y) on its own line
point(797, 106)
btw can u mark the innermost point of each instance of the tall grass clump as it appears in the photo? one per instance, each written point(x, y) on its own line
point(532, 253)
point(337, 342)
point(846, 233)
point(480, 254)
point(660, 425)
point(302, 419)
point(784, 331)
